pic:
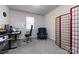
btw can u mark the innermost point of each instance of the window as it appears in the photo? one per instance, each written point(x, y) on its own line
point(29, 22)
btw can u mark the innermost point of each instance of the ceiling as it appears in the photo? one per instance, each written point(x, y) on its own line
point(35, 9)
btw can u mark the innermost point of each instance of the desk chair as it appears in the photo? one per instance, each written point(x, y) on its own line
point(29, 35)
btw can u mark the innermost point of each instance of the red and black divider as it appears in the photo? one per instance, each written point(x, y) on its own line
point(58, 31)
point(74, 12)
point(65, 31)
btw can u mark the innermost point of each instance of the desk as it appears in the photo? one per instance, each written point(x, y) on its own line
point(10, 39)
point(10, 36)
point(14, 34)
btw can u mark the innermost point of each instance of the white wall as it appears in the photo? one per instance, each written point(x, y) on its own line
point(50, 19)
point(17, 19)
point(3, 20)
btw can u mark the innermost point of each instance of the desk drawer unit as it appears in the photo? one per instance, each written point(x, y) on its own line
point(3, 42)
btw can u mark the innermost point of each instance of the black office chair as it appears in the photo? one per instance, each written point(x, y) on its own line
point(29, 35)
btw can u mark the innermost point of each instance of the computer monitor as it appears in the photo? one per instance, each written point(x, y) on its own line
point(7, 28)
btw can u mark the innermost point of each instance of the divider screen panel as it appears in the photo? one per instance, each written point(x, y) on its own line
point(65, 31)
point(75, 29)
point(58, 31)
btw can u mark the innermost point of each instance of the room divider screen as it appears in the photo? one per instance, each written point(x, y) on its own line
point(75, 29)
point(65, 31)
point(58, 31)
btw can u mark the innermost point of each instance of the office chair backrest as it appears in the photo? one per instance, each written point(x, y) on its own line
point(31, 30)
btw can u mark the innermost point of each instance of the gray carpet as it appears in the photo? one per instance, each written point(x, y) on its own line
point(37, 47)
